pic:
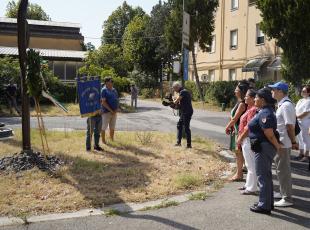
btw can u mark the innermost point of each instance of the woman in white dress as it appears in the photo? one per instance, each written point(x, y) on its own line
point(303, 116)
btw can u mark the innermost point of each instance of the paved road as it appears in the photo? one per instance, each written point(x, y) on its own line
point(226, 209)
point(150, 116)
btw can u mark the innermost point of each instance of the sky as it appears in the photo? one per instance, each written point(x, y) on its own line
point(89, 13)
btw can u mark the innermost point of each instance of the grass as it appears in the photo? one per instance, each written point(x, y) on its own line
point(127, 171)
point(198, 196)
point(188, 180)
point(111, 212)
point(164, 204)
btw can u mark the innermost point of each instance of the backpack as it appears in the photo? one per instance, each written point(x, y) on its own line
point(297, 127)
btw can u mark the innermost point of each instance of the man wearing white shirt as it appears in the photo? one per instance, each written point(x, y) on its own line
point(286, 119)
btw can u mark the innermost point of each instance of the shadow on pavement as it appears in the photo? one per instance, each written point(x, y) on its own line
point(160, 220)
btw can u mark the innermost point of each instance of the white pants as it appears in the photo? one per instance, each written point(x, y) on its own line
point(249, 157)
point(303, 136)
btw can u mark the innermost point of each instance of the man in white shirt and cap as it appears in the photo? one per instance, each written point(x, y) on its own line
point(286, 119)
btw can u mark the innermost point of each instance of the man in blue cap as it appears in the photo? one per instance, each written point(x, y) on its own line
point(286, 119)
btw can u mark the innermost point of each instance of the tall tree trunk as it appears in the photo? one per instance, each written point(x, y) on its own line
point(196, 76)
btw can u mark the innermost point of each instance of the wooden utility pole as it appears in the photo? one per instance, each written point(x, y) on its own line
point(23, 41)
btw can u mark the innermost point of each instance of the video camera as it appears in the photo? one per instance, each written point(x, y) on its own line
point(168, 101)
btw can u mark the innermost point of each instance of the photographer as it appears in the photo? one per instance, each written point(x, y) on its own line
point(184, 101)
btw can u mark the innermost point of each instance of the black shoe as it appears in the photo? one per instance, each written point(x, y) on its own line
point(98, 148)
point(189, 146)
point(272, 206)
point(88, 150)
point(260, 210)
point(178, 144)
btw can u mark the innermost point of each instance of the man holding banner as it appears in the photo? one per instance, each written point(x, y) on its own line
point(89, 100)
point(109, 103)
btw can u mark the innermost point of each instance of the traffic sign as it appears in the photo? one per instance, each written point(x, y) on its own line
point(186, 28)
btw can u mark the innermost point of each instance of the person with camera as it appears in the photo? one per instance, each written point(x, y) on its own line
point(184, 100)
point(265, 144)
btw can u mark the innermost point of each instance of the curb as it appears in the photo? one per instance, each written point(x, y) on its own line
point(120, 208)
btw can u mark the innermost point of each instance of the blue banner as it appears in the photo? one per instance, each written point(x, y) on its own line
point(89, 97)
point(185, 64)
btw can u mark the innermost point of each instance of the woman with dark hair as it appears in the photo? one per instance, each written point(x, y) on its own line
point(233, 127)
point(303, 116)
point(265, 144)
point(250, 187)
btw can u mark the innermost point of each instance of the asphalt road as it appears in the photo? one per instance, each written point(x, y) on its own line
point(151, 116)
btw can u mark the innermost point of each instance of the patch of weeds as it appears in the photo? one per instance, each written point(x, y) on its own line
point(188, 180)
point(112, 212)
point(84, 164)
point(198, 196)
point(164, 204)
point(218, 184)
point(22, 215)
point(145, 138)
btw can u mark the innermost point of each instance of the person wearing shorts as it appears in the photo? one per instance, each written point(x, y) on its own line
point(109, 103)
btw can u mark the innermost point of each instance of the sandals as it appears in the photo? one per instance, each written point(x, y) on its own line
point(247, 192)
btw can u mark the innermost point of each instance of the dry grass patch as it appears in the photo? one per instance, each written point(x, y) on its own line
point(129, 170)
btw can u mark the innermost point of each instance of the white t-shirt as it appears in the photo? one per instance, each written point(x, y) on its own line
point(286, 115)
point(303, 106)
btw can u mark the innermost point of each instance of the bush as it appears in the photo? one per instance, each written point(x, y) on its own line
point(148, 93)
point(121, 84)
point(221, 92)
point(63, 92)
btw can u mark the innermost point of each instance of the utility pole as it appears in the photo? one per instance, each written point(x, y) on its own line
point(23, 41)
point(182, 50)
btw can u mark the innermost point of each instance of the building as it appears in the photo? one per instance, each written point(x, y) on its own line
point(59, 43)
point(239, 49)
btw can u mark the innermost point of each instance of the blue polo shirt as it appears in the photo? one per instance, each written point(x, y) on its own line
point(111, 97)
point(264, 119)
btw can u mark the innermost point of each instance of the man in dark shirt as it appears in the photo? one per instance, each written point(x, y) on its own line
point(11, 91)
point(186, 111)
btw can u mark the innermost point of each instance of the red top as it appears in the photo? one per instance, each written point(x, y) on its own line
point(246, 118)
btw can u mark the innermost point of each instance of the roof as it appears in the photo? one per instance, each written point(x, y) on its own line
point(42, 23)
point(254, 64)
point(47, 53)
point(275, 64)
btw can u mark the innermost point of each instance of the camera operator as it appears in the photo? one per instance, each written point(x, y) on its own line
point(184, 101)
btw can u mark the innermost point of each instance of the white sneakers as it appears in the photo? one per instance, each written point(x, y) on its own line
point(283, 203)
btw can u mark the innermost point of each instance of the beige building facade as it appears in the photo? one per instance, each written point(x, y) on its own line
point(239, 49)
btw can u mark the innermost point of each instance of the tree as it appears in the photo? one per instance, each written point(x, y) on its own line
point(201, 27)
point(288, 21)
point(34, 11)
point(108, 55)
point(136, 50)
point(114, 27)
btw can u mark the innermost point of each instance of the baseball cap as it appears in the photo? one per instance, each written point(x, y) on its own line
point(280, 86)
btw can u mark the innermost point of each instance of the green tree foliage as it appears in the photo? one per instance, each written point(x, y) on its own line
point(135, 45)
point(201, 27)
point(114, 27)
point(288, 21)
point(34, 11)
point(108, 55)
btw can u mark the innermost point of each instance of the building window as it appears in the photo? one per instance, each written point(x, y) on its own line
point(234, 4)
point(211, 48)
point(234, 39)
point(212, 75)
point(70, 70)
point(59, 69)
point(252, 2)
point(232, 75)
point(260, 37)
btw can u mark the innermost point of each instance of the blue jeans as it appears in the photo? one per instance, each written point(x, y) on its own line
point(184, 121)
point(93, 127)
point(263, 162)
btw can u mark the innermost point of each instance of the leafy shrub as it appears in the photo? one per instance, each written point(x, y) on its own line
point(220, 91)
point(63, 92)
point(121, 84)
point(148, 93)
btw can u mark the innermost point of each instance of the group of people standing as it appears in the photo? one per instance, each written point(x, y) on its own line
point(262, 131)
